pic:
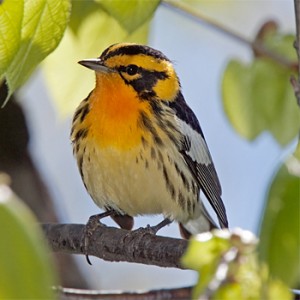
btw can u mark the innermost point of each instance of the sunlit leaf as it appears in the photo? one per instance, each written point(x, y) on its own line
point(259, 97)
point(11, 15)
point(68, 82)
point(43, 25)
point(26, 269)
point(280, 230)
point(130, 14)
point(203, 255)
point(229, 269)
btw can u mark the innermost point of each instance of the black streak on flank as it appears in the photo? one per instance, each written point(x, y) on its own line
point(146, 123)
point(77, 147)
point(166, 177)
point(153, 153)
point(144, 142)
point(85, 111)
point(182, 176)
point(156, 107)
point(181, 200)
point(160, 161)
point(81, 134)
point(169, 185)
point(80, 162)
point(189, 205)
point(160, 156)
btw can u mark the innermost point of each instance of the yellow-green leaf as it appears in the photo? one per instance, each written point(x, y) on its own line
point(68, 82)
point(11, 15)
point(229, 269)
point(26, 268)
point(280, 231)
point(42, 27)
point(130, 14)
point(203, 255)
point(259, 97)
point(80, 11)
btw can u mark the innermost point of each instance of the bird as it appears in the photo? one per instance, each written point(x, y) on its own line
point(139, 147)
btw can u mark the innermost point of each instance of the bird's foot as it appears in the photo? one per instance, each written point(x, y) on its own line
point(90, 227)
point(154, 229)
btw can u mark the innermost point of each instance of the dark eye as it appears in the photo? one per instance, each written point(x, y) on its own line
point(132, 69)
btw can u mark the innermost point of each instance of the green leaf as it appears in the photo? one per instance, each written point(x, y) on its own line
point(203, 255)
point(68, 82)
point(258, 97)
point(282, 44)
point(42, 27)
point(130, 14)
point(11, 15)
point(80, 11)
point(280, 230)
point(229, 269)
point(26, 268)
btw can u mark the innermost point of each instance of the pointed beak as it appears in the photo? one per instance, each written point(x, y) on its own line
point(95, 64)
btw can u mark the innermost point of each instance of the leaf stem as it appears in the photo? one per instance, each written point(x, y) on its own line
point(256, 46)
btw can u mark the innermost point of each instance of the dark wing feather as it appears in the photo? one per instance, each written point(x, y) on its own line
point(197, 156)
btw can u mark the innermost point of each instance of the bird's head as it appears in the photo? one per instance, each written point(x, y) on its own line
point(148, 71)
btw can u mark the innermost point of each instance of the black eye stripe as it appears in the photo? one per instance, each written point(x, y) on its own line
point(132, 69)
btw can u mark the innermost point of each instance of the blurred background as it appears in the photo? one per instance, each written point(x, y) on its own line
point(200, 55)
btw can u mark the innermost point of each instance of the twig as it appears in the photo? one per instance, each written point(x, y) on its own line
point(113, 244)
point(256, 46)
point(295, 83)
point(221, 274)
point(76, 294)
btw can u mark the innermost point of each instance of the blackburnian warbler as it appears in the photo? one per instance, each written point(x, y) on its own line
point(139, 147)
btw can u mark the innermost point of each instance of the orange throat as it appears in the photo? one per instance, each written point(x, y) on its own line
point(114, 115)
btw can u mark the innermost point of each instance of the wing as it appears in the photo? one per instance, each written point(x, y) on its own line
point(197, 156)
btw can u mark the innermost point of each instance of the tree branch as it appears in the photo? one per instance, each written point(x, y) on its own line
point(74, 294)
point(295, 83)
point(113, 244)
point(256, 46)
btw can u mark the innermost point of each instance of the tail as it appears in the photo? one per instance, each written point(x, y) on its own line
point(201, 224)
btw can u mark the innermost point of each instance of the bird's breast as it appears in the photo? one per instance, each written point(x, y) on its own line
point(114, 118)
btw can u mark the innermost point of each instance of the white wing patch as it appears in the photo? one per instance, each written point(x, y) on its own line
point(198, 149)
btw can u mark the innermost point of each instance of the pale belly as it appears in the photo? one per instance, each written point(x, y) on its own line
point(140, 181)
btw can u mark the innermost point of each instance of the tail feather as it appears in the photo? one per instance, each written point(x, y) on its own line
point(201, 224)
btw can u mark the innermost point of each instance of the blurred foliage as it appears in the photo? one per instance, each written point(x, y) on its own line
point(10, 36)
point(258, 96)
point(129, 14)
point(26, 268)
point(30, 30)
point(91, 30)
point(229, 269)
point(280, 230)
